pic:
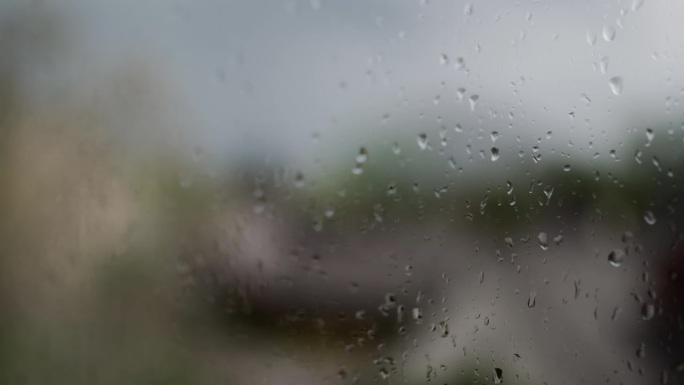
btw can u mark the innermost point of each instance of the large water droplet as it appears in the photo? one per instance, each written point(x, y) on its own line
point(543, 240)
point(495, 154)
point(498, 376)
point(615, 84)
point(616, 257)
point(608, 33)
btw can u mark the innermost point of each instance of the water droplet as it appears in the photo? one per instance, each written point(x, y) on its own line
point(299, 179)
point(543, 240)
point(494, 136)
point(417, 315)
point(608, 33)
point(362, 156)
point(473, 102)
point(460, 94)
point(422, 141)
point(649, 217)
point(616, 257)
point(615, 84)
point(443, 59)
point(452, 163)
point(649, 136)
point(396, 149)
point(591, 37)
point(495, 154)
point(636, 4)
point(567, 167)
point(358, 169)
point(508, 241)
point(509, 187)
point(647, 311)
point(604, 64)
point(460, 64)
point(384, 374)
point(468, 9)
point(641, 351)
point(498, 376)
point(637, 156)
point(532, 299)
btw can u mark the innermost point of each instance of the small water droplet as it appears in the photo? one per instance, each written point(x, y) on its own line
point(473, 101)
point(417, 315)
point(299, 179)
point(358, 169)
point(543, 240)
point(649, 217)
point(509, 187)
point(591, 37)
point(384, 374)
point(647, 311)
point(608, 33)
point(636, 4)
point(616, 257)
point(641, 351)
point(460, 94)
point(396, 149)
point(585, 98)
point(616, 85)
point(508, 241)
point(494, 136)
point(362, 156)
point(452, 163)
point(443, 59)
point(567, 167)
point(604, 64)
point(460, 64)
point(468, 9)
point(532, 299)
point(422, 141)
point(495, 154)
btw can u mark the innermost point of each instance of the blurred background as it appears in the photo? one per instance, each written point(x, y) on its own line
point(341, 192)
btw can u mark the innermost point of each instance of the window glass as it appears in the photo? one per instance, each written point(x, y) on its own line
point(341, 192)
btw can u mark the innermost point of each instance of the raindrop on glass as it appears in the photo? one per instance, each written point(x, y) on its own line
point(473, 102)
point(422, 141)
point(616, 257)
point(649, 136)
point(647, 311)
point(362, 156)
point(498, 376)
point(604, 64)
point(543, 240)
point(532, 299)
point(495, 154)
point(649, 217)
point(608, 33)
point(615, 84)
point(443, 59)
